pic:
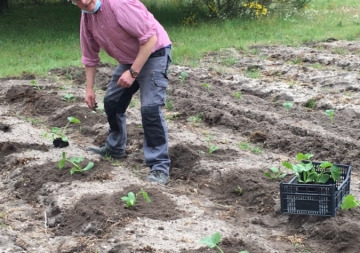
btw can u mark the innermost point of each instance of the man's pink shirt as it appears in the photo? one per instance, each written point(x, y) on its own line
point(119, 27)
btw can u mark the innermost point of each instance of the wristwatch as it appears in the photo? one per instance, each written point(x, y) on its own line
point(133, 73)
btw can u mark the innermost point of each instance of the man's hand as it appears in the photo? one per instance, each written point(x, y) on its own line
point(90, 98)
point(126, 80)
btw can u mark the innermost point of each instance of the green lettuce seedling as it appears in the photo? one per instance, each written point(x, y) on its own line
point(212, 241)
point(75, 161)
point(288, 106)
point(131, 198)
point(349, 202)
point(57, 131)
point(275, 173)
point(331, 114)
point(69, 98)
point(182, 77)
point(305, 171)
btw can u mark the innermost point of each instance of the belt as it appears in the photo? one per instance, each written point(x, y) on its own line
point(159, 52)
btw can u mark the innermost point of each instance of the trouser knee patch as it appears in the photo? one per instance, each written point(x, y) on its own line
point(153, 128)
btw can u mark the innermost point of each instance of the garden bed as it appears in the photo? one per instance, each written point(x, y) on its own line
point(236, 108)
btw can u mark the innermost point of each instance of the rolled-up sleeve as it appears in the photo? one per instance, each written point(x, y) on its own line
point(89, 48)
point(134, 18)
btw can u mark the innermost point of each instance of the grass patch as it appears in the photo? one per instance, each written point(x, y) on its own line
point(35, 39)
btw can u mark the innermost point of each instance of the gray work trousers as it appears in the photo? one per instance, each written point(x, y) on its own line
point(152, 82)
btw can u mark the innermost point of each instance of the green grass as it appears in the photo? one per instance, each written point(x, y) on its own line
point(35, 39)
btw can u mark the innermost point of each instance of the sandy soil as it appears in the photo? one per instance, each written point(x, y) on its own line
point(240, 97)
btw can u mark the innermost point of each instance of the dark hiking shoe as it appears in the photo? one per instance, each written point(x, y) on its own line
point(104, 151)
point(158, 176)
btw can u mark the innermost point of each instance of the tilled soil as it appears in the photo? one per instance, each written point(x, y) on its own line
point(233, 104)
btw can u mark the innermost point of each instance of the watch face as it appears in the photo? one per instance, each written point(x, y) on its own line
point(133, 73)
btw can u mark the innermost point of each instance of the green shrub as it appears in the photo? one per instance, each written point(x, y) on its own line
point(223, 9)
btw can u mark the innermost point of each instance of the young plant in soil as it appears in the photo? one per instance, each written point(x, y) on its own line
point(182, 77)
point(331, 114)
point(69, 98)
point(213, 240)
point(310, 103)
point(239, 190)
point(76, 163)
point(169, 105)
point(206, 86)
point(275, 173)
point(131, 198)
point(195, 120)
point(62, 140)
point(35, 85)
point(237, 95)
point(305, 171)
point(349, 202)
point(288, 106)
point(211, 147)
point(246, 146)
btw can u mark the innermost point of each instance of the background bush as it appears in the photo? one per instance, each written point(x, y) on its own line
point(223, 9)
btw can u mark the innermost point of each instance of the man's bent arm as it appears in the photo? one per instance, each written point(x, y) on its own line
point(144, 53)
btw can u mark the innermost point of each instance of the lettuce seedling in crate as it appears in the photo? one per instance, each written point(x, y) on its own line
point(213, 240)
point(305, 171)
point(76, 163)
point(131, 198)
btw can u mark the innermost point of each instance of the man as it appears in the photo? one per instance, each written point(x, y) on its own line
point(129, 33)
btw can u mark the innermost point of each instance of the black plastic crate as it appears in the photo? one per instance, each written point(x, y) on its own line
point(315, 199)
